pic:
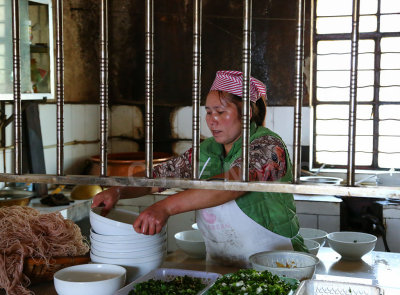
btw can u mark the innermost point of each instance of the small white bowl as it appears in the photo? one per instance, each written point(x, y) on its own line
point(290, 264)
point(312, 246)
point(195, 226)
point(83, 279)
point(191, 242)
point(127, 247)
point(351, 245)
point(314, 234)
point(135, 267)
point(117, 222)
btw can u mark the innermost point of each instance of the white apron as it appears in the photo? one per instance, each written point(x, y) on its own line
point(231, 236)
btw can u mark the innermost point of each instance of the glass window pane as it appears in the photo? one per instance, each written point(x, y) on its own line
point(368, 23)
point(365, 94)
point(345, 7)
point(388, 6)
point(390, 23)
point(364, 112)
point(330, 111)
point(338, 7)
point(388, 160)
point(333, 78)
point(334, 46)
point(332, 158)
point(389, 144)
point(389, 93)
point(330, 25)
point(331, 143)
point(366, 61)
point(332, 127)
point(364, 159)
point(364, 127)
point(365, 78)
point(389, 127)
point(390, 77)
point(390, 61)
point(389, 112)
point(390, 44)
point(364, 144)
point(333, 62)
point(333, 94)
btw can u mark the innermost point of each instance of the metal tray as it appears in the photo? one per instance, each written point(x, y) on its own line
point(168, 274)
point(319, 287)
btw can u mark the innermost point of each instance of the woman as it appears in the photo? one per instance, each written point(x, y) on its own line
point(234, 224)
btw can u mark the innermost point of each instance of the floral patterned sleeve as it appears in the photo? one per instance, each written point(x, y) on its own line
point(267, 159)
point(177, 167)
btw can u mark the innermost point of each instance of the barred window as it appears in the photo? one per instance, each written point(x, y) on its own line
point(378, 83)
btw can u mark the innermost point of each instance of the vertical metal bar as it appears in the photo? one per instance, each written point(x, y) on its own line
point(17, 89)
point(149, 85)
point(246, 69)
point(298, 90)
point(353, 93)
point(103, 86)
point(196, 86)
point(312, 89)
point(60, 86)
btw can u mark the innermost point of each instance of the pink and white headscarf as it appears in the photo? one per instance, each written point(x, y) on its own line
point(231, 82)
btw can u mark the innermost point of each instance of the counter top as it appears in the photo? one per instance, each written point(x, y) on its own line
point(376, 268)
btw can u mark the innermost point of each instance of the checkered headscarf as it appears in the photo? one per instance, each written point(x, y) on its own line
point(231, 82)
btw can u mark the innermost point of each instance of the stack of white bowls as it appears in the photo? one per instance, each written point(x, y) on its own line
point(114, 241)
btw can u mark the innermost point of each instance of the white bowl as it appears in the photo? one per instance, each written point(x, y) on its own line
point(127, 247)
point(195, 226)
point(136, 239)
point(312, 246)
point(135, 267)
point(291, 264)
point(191, 242)
point(117, 222)
point(322, 180)
point(314, 234)
point(156, 254)
point(351, 245)
point(83, 279)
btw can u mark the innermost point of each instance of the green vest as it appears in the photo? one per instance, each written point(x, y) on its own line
point(274, 211)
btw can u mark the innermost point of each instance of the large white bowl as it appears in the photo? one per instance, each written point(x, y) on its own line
point(290, 264)
point(315, 234)
point(137, 239)
point(83, 279)
point(157, 254)
point(351, 245)
point(117, 222)
point(191, 242)
point(127, 247)
point(312, 246)
point(134, 267)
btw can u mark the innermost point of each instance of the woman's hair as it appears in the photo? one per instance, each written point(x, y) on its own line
point(258, 109)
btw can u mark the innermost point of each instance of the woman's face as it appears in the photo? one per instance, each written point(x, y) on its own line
point(223, 120)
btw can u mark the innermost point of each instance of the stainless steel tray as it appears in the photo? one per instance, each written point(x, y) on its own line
point(319, 287)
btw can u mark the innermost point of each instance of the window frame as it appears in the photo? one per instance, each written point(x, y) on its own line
point(375, 103)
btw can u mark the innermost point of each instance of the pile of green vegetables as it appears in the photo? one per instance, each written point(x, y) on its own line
point(250, 281)
point(179, 285)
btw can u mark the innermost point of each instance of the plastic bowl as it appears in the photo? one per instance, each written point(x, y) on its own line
point(117, 222)
point(351, 245)
point(312, 246)
point(135, 267)
point(290, 264)
point(191, 242)
point(314, 234)
point(83, 279)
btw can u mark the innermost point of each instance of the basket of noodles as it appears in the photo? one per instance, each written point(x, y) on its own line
point(34, 246)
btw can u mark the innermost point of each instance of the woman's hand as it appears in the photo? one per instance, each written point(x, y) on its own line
point(108, 198)
point(152, 220)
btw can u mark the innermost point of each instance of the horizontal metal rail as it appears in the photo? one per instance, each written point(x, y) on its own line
point(373, 192)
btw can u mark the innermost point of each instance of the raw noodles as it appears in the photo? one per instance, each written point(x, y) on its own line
point(24, 232)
